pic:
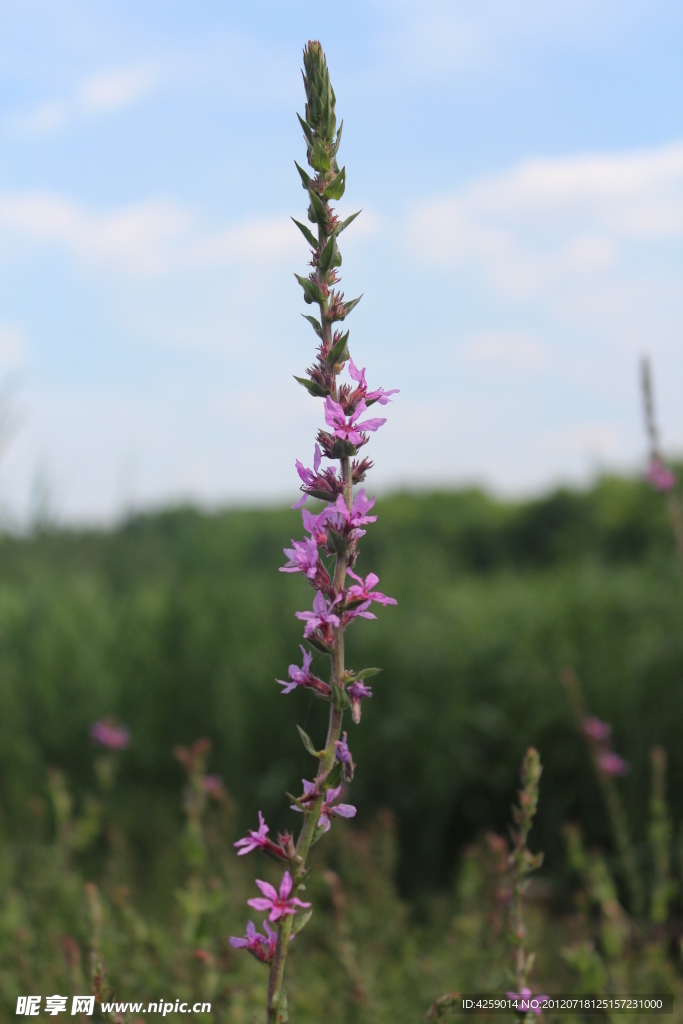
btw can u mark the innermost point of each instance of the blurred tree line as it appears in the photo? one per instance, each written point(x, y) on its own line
point(178, 623)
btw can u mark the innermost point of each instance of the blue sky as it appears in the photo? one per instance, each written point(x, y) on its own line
point(520, 170)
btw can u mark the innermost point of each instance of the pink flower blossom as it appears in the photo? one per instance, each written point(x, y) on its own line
point(303, 557)
point(612, 764)
point(361, 612)
point(321, 617)
point(261, 946)
point(316, 525)
point(528, 1001)
point(660, 476)
point(596, 730)
point(308, 476)
point(304, 677)
point(355, 692)
point(361, 591)
point(380, 395)
point(106, 733)
point(349, 431)
point(279, 904)
point(358, 516)
point(311, 794)
point(255, 840)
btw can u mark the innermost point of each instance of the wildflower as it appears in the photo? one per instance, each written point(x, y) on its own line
point(212, 784)
point(315, 525)
point(106, 733)
point(612, 764)
point(529, 1002)
point(380, 395)
point(255, 840)
point(327, 811)
point(278, 903)
point(361, 612)
point(596, 730)
point(322, 617)
point(360, 591)
point(303, 557)
point(659, 475)
point(355, 692)
point(334, 417)
point(343, 755)
point(303, 677)
point(260, 946)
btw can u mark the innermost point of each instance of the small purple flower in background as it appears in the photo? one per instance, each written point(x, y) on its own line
point(107, 733)
point(611, 764)
point(212, 784)
point(255, 840)
point(360, 591)
point(261, 946)
point(279, 904)
point(659, 475)
point(355, 692)
point(321, 617)
point(596, 730)
point(530, 1002)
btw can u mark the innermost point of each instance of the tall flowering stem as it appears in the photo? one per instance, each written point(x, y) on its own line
point(607, 765)
point(658, 473)
point(327, 556)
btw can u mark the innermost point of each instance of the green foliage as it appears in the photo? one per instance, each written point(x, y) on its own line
point(174, 624)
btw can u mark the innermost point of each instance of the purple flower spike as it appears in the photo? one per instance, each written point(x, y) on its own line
point(255, 840)
point(528, 1001)
point(355, 692)
point(596, 730)
point(611, 764)
point(279, 904)
point(361, 591)
point(107, 734)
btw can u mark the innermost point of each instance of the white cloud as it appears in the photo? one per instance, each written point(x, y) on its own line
point(116, 89)
point(101, 94)
point(506, 350)
point(145, 239)
point(550, 220)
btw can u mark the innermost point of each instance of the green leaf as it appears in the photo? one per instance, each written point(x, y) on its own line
point(317, 213)
point(345, 223)
point(307, 233)
point(365, 673)
point(312, 291)
point(314, 324)
point(304, 177)
point(308, 743)
point(306, 130)
point(312, 388)
point(334, 776)
point(336, 543)
point(335, 189)
point(319, 158)
point(335, 147)
point(301, 920)
point(348, 306)
point(339, 352)
point(330, 256)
